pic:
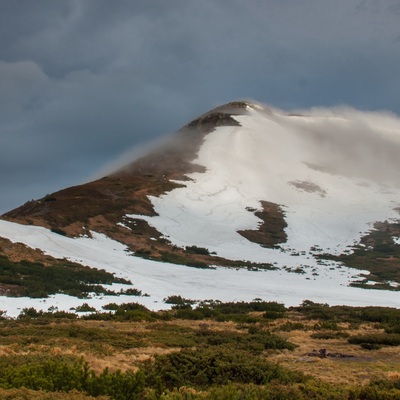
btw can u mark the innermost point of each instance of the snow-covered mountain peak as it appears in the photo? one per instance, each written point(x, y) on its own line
point(311, 193)
point(321, 178)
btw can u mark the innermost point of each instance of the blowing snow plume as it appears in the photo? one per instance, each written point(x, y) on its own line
point(328, 170)
point(311, 198)
point(352, 143)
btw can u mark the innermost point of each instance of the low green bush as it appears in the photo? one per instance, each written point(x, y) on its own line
point(28, 394)
point(231, 311)
point(206, 367)
point(197, 250)
point(329, 335)
point(33, 279)
point(291, 326)
point(383, 339)
point(64, 374)
point(326, 325)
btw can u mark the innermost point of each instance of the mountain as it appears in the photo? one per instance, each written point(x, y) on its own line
point(261, 203)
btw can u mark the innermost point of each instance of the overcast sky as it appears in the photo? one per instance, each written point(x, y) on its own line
point(84, 81)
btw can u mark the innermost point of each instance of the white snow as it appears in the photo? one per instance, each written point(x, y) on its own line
point(350, 158)
point(260, 160)
point(160, 280)
point(124, 226)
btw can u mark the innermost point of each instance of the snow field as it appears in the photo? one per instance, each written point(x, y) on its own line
point(268, 158)
point(334, 173)
point(160, 280)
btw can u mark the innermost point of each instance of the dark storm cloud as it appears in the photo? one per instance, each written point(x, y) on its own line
point(82, 81)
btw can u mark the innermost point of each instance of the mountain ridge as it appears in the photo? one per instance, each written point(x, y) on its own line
point(171, 161)
point(242, 186)
point(101, 204)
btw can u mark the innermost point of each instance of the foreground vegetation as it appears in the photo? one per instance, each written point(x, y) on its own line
point(212, 350)
point(34, 279)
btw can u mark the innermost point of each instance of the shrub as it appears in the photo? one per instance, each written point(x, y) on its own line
point(85, 308)
point(63, 374)
point(27, 394)
point(329, 335)
point(291, 326)
point(178, 300)
point(383, 339)
point(197, 250)
point(33, 279)
point(59, 231)
point(204, 367)
point(327, 325)
point(273, 315)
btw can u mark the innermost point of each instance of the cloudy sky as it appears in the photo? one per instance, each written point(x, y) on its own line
point(82, 82)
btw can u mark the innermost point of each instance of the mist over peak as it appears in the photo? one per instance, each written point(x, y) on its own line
point(344, 140)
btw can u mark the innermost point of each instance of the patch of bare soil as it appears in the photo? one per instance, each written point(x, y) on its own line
point(17, 252)
point(309, 187)
point(10, 290)
point(271, 231)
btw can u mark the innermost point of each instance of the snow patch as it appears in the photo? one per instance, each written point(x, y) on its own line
point(160, 280)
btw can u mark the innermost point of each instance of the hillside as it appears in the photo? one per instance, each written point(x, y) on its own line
point(257, 201)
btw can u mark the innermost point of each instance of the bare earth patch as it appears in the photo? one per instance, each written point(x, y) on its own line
point(271, 231)
point(309, 187)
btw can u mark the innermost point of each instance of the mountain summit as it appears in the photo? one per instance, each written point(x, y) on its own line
point(312, 197)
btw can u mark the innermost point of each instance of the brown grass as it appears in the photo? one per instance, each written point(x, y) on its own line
point(363, 367)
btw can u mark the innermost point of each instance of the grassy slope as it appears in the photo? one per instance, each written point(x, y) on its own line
point(285, 338)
